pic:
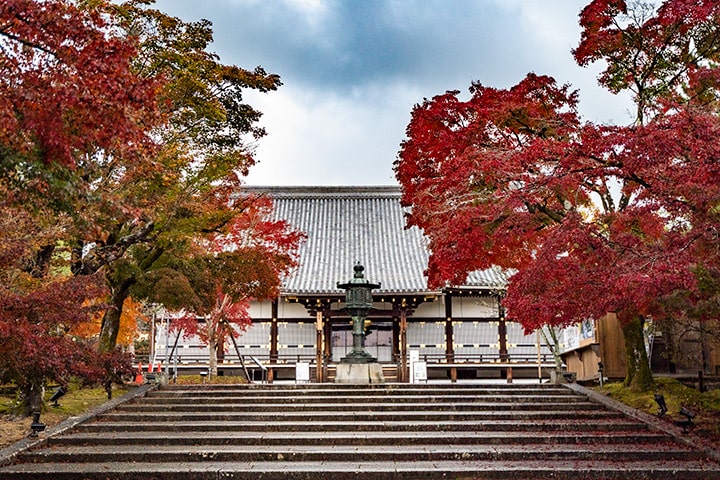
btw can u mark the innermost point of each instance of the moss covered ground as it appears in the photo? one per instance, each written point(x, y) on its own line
point(76, 401)
point(706, 405)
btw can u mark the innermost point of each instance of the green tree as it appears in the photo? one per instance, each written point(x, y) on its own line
point(184, 188)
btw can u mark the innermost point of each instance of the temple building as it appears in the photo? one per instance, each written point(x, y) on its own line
point(459, 331)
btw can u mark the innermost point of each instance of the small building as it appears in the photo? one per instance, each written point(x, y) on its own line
point(459, 331)
point(595, 342)
point(685, 347)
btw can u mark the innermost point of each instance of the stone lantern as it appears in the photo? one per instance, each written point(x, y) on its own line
point(358, 302)
point(358, 366)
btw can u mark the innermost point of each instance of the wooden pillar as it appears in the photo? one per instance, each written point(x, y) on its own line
point(449, 336)
point(396, 340)
point(449, 332)
point(403, 374)
point(319, 346)
point(273, 340)
point(327, 346)
point(502, 333)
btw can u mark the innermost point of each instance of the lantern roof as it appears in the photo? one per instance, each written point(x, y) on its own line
point(358, 280)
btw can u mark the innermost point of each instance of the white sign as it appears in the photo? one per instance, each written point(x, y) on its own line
point(414, 358)
point(419, 372)
point(302, 372)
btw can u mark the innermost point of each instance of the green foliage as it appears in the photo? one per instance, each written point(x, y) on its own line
point(167, 286)
point(142, 346)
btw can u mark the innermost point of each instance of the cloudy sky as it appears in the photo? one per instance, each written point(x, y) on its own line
point(353, 69)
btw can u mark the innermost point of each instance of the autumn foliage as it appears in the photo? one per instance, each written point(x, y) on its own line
point(594, 218)
point(132, 314)
point(123, 141)
point(248, 259)
point(41, 115)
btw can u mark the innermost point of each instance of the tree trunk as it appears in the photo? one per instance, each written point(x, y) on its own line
point(32, 398)
point(553, 342)
point(111, 320)
point(639, 376)
point(212, 358)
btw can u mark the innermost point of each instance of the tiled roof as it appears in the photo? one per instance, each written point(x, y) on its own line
point(345, 225)
point(494, 278)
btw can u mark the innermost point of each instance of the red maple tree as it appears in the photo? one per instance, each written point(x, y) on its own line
point(70, 102)
point(246, 260)
point(594, 218)
point(106, 106)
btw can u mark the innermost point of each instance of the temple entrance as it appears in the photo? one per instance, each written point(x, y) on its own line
point(378, 340)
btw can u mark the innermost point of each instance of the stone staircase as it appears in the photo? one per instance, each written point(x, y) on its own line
point(322, 431)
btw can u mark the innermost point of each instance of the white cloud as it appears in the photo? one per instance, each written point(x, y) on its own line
point(314, 11)
point(319, 138)
point(353, 69)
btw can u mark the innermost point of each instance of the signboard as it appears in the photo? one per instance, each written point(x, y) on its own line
point(414, 358)
point(572, 338)
point(419, 372)
point(302, 372)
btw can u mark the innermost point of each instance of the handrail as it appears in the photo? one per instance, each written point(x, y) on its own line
point(262, 367)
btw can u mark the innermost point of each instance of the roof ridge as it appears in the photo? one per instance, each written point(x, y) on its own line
point(326, 191)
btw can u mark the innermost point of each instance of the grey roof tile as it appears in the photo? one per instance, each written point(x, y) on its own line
point(345, 225)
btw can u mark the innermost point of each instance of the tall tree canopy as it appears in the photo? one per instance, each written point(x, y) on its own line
point(69, 98)
point(123, 142)
point(65, 73)
point(185, 189)
point(595, 218)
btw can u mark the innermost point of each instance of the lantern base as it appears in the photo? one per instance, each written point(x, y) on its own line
point(358, 356)
point(359, 373)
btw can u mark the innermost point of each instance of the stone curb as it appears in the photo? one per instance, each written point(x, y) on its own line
point(8, 454)
point(693, 441)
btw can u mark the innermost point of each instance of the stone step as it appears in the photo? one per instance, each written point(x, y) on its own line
point(359, 416)
point(194, 398)
point(510, 432)
point(386, 437)
point(368, 453)
point(322, 470)
point(387, 386)
point(243, 407)
point(299, 391)
point(617, 423)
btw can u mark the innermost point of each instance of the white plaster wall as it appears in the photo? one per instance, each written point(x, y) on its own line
point(434, 309)
point(292, 310)
point(260, 309)
point(484, 307)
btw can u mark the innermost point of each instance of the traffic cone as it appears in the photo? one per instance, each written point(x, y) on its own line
point(150, 367)
point(139, 374)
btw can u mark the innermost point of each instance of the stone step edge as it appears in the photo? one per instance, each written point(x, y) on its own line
point(429, 427)
point(556, 469)
point(360, 454)
point(146, 406)
point(279, 418)
point(369, 438)
point(342, 399)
